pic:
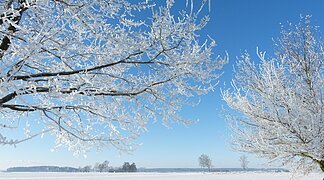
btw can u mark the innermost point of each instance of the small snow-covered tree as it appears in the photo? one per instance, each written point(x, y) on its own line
point(205, 161)
point(93, 73)
point(86, 168)
point(133, 167)
point(126, 167)
point(244, 162)
point(103, 167)
point(96, 167)
point(281, 100)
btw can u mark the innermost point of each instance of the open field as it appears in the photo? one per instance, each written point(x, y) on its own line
point(159, 176)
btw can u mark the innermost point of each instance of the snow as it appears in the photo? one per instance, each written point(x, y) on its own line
point(159, 176)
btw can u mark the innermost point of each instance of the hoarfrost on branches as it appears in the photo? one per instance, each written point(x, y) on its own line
point(94, 73)
point(205, 161)
point(281, 100)
point(244, 162)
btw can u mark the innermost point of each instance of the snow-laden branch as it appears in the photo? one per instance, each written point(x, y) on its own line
point(95, 73)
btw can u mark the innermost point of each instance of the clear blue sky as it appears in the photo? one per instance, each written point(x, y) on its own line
point(236, 25)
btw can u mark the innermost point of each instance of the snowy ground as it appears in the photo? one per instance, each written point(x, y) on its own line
point(159, 176)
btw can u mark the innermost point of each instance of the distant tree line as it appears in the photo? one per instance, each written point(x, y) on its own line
point(98, 167)
point(104, 167)
point(42, 169)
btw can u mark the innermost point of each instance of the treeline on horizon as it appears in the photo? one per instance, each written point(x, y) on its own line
point(98, 167)
point(120, 169)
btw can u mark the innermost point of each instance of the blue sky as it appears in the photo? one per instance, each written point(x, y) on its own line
point(236, 25)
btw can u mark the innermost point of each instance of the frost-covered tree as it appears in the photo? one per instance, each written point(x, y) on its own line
point(103, 167)
point(244, 162)
point(205, 161)
point(133, 167)
point(281, 100)
point(93, 73)
point(96, 167)
point(86, 168)
point(126, 167)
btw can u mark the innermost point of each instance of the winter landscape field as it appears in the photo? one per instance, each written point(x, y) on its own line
point(159, 176)
point(161, 89)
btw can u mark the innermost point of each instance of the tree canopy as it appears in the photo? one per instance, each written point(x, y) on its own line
point(93, 73)
point(205, 161)
point(281, 100)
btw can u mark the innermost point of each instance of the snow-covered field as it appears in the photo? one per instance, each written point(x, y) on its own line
point(159, 176)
